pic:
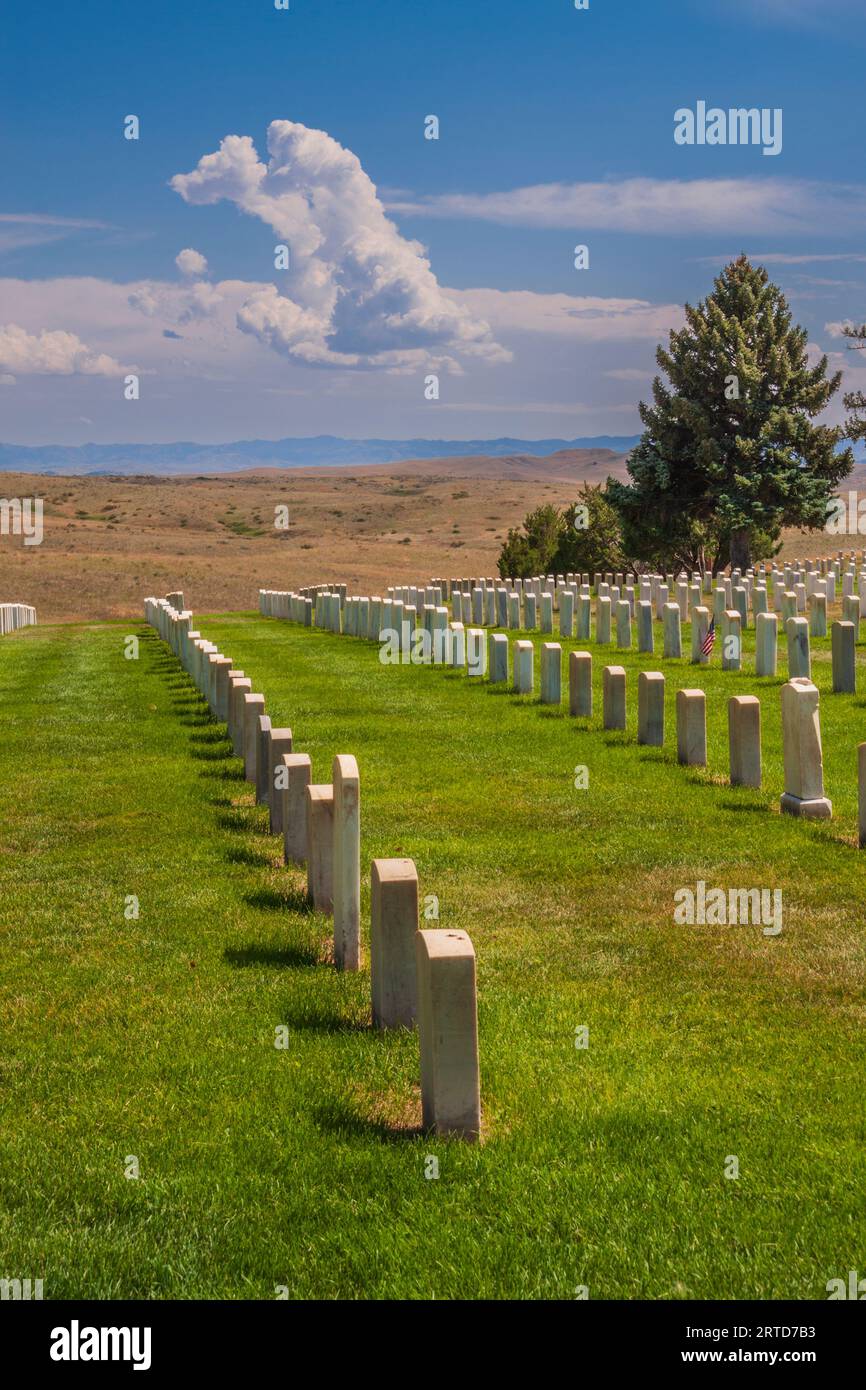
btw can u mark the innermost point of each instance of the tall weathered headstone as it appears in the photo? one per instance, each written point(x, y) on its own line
point(799, 662)
point(801, 741)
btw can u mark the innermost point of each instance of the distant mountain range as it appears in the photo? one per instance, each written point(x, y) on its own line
point(321, 451)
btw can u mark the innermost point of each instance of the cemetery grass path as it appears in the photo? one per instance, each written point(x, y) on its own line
point(304, 1167)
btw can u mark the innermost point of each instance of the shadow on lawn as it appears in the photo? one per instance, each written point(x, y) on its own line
point(319, 1018)
point(254, 858)
point(342, 1117)
point(223, 774)
point(288, 899)
point(744, 806)
point(617, 738)
point(213, 755)
point(281, 957)
point(241, 818)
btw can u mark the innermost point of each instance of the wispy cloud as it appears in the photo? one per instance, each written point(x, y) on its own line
point(659, 206)
point(581, 318)
point(630, 374)
point(22, 229)
point(794, 14)
point(784, 257)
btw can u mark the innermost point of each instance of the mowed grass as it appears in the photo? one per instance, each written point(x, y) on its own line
point(304, 1167)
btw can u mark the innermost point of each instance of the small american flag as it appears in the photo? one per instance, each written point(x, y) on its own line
point(709, 638)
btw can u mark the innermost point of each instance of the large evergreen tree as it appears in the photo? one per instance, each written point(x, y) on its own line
point(730, 452)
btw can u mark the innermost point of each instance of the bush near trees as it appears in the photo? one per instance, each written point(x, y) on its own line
point(582, 537)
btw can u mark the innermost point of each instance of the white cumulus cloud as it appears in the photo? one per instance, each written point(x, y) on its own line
point(52, 352)
point(359, 294)
point(191, 262)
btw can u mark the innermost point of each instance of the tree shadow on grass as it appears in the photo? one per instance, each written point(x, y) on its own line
point(342, 1117)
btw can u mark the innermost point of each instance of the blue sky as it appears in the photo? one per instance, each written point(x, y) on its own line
point(556, 128)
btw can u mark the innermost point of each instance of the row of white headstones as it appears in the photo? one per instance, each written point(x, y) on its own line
point(15, 615)
point(424, 979)
point(525, 605)
point(406, 636)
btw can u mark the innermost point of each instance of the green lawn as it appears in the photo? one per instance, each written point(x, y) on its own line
point(304, 1167)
